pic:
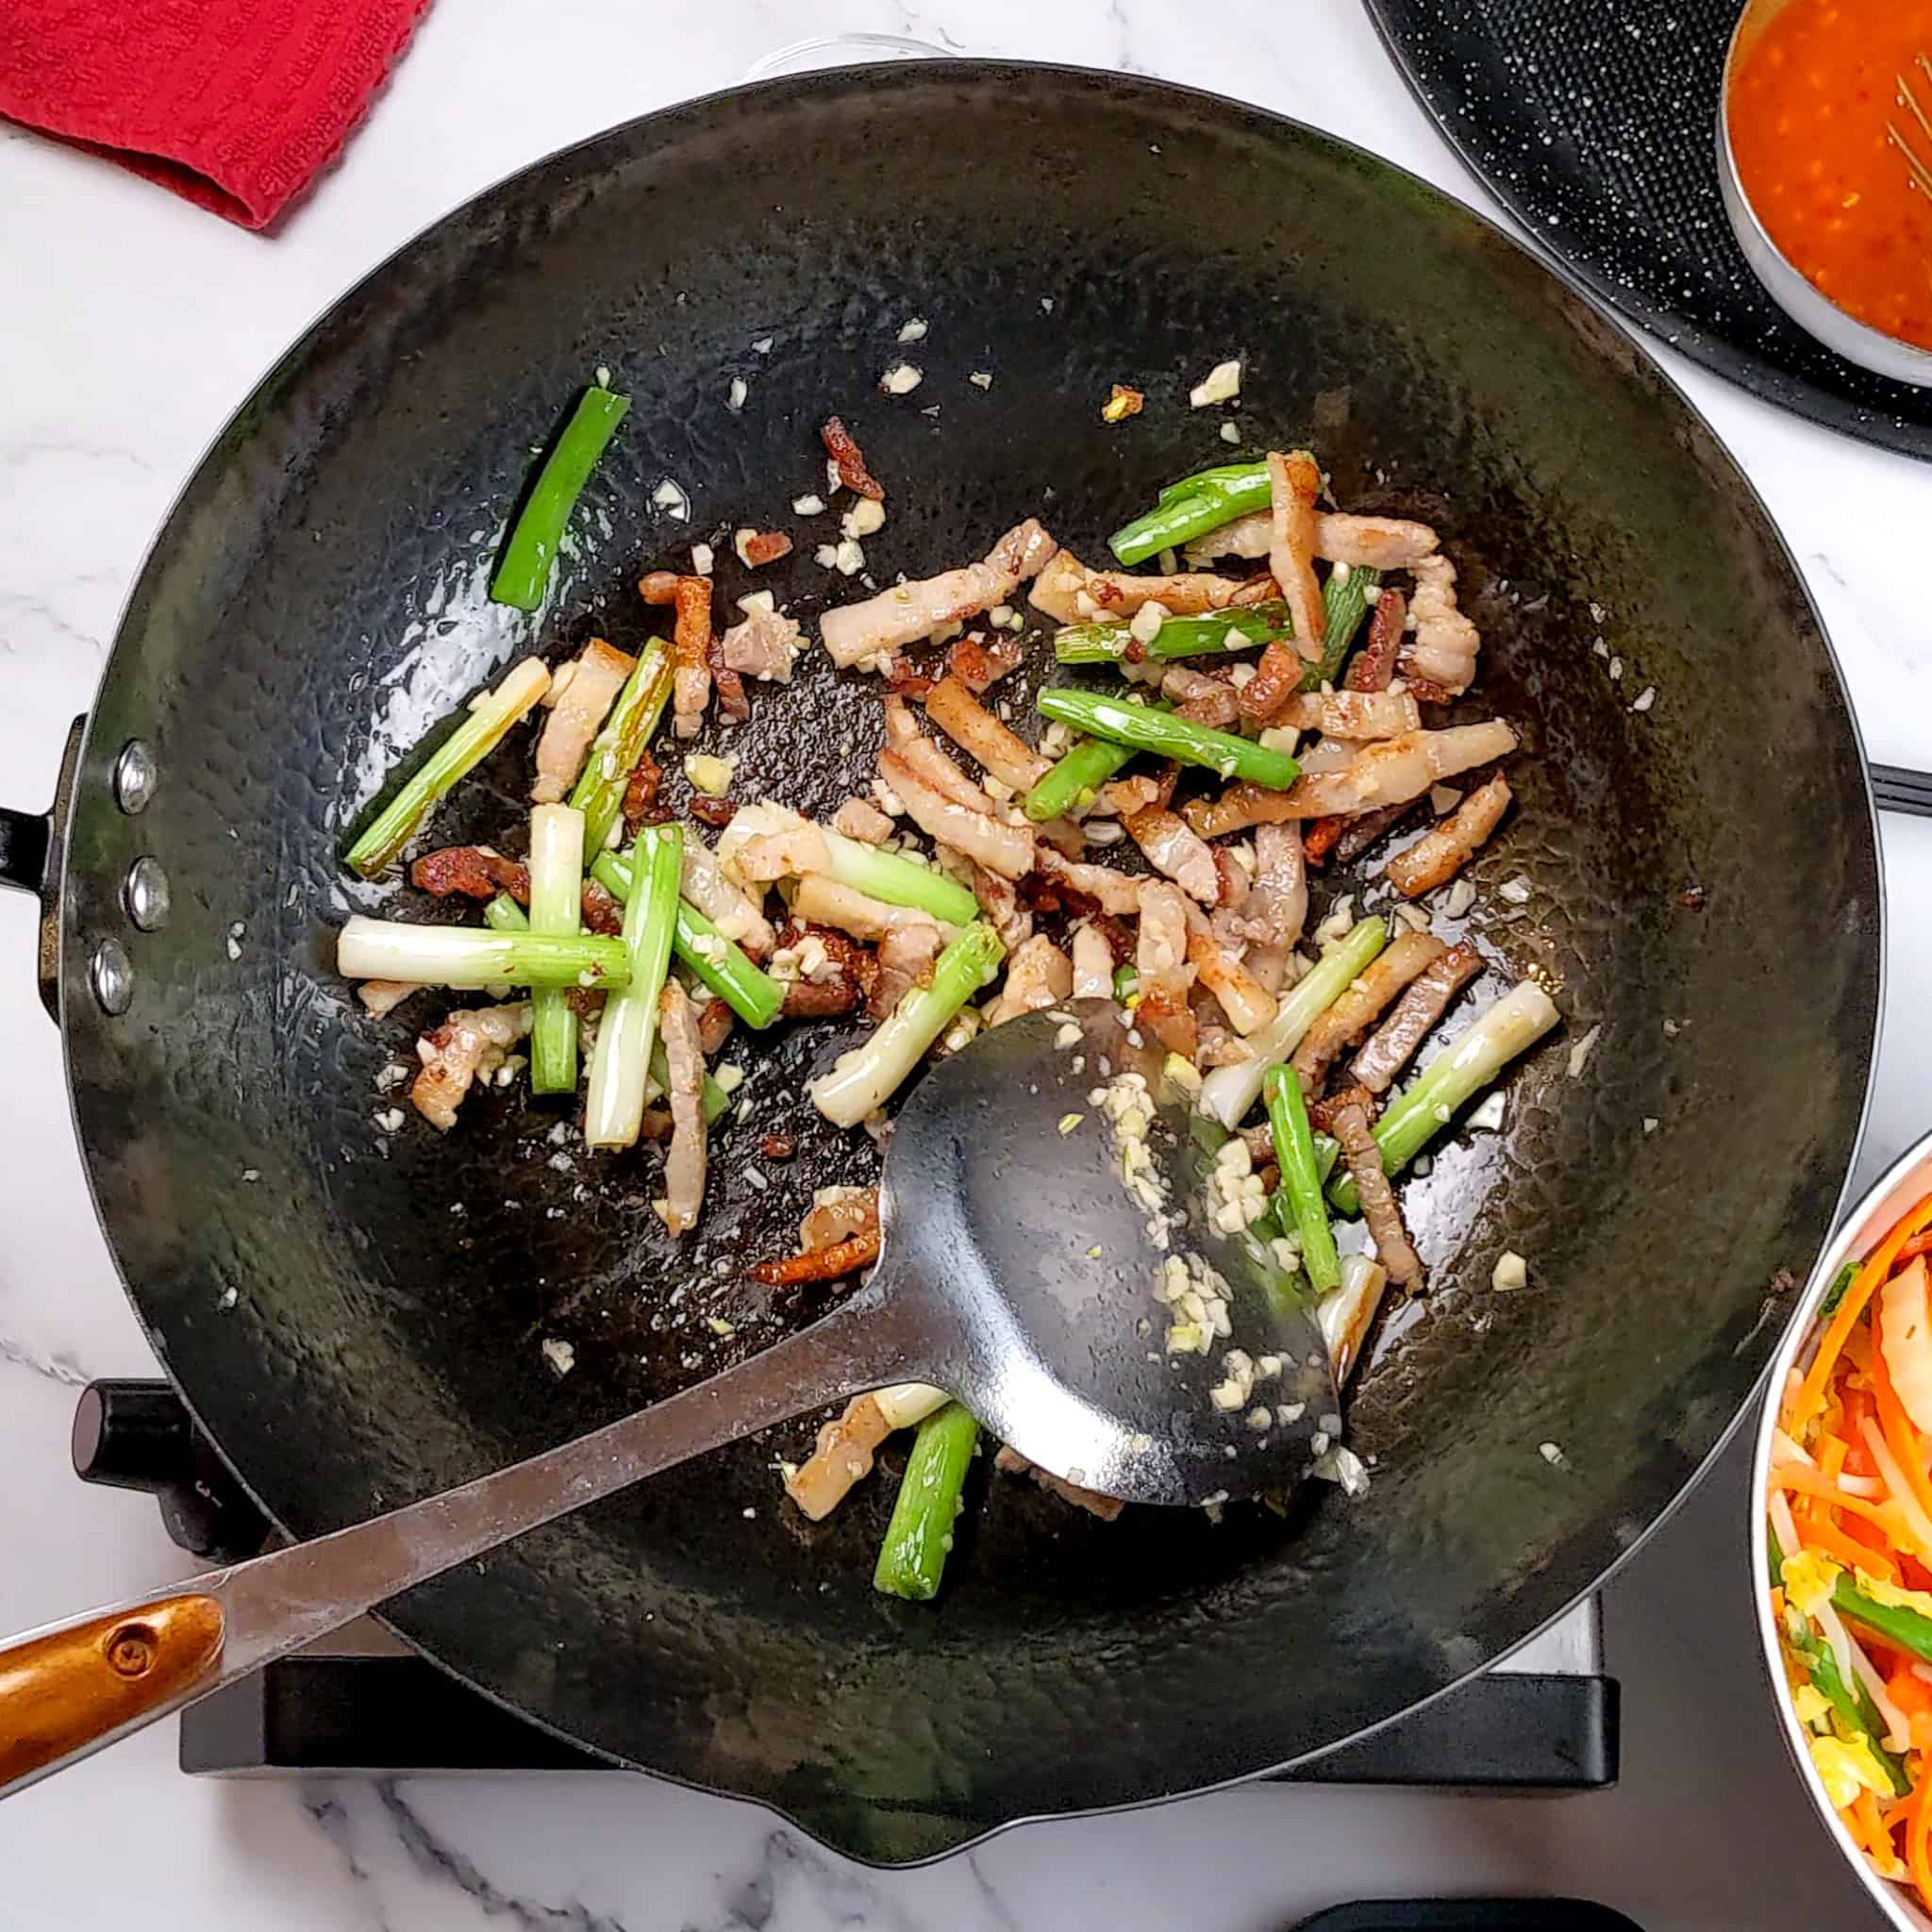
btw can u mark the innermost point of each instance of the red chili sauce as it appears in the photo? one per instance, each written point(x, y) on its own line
point(1812, 104)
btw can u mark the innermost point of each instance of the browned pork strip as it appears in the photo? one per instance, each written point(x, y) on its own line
point(855, 633)
point(1002, 752)
point(841, 1457)
point(1069, 593)
point(1092, 964)
point(1277, 678)
point(1353, 714)
point(735, 913)
point(928, 762)
point(1011, 1462)
point(1277, 905)
point(822, 900)
point(1172, 847)
point(1441, 852)
point(684, 1064)
point(1442, 648)
point(715, 1022)
point(1238, 807)
point(1395, 1040)
point(764, 646)
point(475, 871)
point(1373, 667)
point(1001, 848)
point(1159, 960)
point(1394, 770)
point(1113, 891)
point(1249, 1005)
point(1000, 904)
point(979, 662)
point(691, 644)
point(579, 698)
point(1038, 976)
point(469, 1046)
point(1368, 828)
point(1380, 543)
point(1349, 1123)
point(1294, 481)
point(902, 960)
point(857, 818)
point(1209, 701)
point(1406, 956)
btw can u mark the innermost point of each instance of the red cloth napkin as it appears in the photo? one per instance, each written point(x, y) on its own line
point(235, 104)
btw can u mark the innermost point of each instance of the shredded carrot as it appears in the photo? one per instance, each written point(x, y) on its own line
point(1861, 1290)
point(1831, 1456)
point(1817, 1533)
point(1908, 1690)
point(1918, 1834)
point(1792, 1475)
point(1877, 1840)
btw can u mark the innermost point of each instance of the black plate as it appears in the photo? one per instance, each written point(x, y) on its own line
point(1596, 126)
point(355, 1323)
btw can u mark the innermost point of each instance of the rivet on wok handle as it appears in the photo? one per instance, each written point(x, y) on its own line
point(145, 895)
point(111, 977)
point(136, 776)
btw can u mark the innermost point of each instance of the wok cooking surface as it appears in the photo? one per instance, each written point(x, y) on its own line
point(356, 1316)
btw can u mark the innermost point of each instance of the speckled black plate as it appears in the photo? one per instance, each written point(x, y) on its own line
point(355, 1311)
point(1596, 126)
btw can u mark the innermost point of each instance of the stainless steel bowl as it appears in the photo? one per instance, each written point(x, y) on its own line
point(1908, 1179)
point(1856, 342)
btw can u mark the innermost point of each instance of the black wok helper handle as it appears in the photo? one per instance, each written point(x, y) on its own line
point(30, 846)
point(69, 1688)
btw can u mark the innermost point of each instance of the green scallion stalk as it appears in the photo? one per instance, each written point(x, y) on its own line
point(1299, 1202)
point(1897, 1624)
point(556, 899)
point(1217, 632)
point(1835, 1293)
point(869, 1076)
point(1127, 982)
point(899, 881)
point(614, 755)
point(919, 1539)
point(1192, 507)
point(1069, 788)
point(1344, 604)
point(615, 1111)
point(1228, 1093)
point(479, 733)
point(714, 961)
point(1511, 1026)
point(716, 1101)
point(1142, 727)
point(468, 957)
point(523, 571)
point(503, 914)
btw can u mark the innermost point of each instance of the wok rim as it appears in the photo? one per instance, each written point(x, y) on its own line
point(71, 974)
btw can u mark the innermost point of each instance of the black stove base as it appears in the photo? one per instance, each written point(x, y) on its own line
point(387, 1716)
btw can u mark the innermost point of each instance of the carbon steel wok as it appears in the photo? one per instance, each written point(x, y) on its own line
point(358, 1324)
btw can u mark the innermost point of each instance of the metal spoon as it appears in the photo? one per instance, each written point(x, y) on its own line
point(1017, 1272)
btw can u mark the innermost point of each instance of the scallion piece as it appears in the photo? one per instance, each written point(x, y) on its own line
point(868, 1077)
point(491, 716)
point(715, 961)
point(1216, 632)
point(919, 1537)
point(1299, 1205)
point(1511, 1026)
point(524, 571)
point(1228, 1093)
point(615, 1111)
point(468, 957)
point(503, 914)
point(1142, 727)
point(557, 901)
point(1344, 603)
point(615, 752)
point(1073, 780)
point(1190, 508)
point(899, 881)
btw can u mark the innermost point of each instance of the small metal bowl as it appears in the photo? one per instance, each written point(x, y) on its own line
point(1855, 340)
point(1909, 1180)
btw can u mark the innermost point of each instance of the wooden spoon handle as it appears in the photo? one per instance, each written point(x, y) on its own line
point(73, 1687)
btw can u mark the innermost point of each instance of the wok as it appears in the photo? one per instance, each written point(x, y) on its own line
point(355, 1317)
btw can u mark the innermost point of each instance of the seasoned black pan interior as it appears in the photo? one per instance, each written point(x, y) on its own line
point(356, 1315)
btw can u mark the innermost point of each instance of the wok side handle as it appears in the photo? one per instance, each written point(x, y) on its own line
point(30, 848)
point(1895, 789)
point(75, 1687)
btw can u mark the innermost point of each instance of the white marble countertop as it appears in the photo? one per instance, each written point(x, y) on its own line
point(132, 325)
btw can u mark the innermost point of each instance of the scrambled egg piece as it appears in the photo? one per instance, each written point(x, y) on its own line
point(1808, 1578)
point(1810, 1703)
point(1894, 1595)
point(1847, 1766)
